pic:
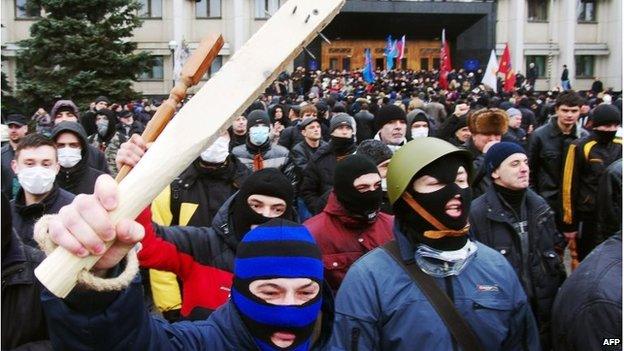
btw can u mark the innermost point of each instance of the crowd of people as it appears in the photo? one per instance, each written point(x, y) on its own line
point(334, 214)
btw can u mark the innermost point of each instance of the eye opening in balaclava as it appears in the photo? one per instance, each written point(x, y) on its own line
point(277, 249)
point(269, 182)
point(427, 231)
point(364, 206)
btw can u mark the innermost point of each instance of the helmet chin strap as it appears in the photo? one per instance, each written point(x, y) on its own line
point(442, 229)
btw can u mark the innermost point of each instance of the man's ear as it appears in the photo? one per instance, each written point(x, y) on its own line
point(14, 166)
point(495, 174)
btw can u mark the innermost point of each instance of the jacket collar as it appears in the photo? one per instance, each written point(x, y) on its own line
point(335, 209)
point(406, 247)
point(38, 209)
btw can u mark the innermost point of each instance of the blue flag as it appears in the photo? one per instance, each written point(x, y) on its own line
point(368, 73)
point(391, 52)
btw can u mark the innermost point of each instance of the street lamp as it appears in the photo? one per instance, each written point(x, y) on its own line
point(172, 46)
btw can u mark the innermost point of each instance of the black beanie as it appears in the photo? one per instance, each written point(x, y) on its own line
point(340, 120)
point(106, 112)
point(461, 122)
point(376, 150)
point(605, 114)
point(421, 117)
point(389, 113)
point(256, 117)
point(256, 105)
point(102, 98)
point(269, 182)
point(364, 205)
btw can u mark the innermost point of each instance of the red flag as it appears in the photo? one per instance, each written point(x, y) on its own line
point(504, 67)
point(400, 45)
point(445, 61)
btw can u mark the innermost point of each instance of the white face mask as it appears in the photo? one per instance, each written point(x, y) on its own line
point(420, 132)
point(68, 156)
point(217, 152)
point(384, 184)
point(258, 135)
point(36, 180)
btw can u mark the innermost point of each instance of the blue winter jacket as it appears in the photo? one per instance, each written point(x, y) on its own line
point(88, 320)
point(379, 307)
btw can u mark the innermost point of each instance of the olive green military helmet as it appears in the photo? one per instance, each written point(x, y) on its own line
point(414, 156)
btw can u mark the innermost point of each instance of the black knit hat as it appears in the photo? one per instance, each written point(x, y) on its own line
point(102, 98)
point(340, 120)
point(389, 113)
point(363, 205)
point(269, 182)
point(462, 121)
point(256, 117)
point(605, 114)
point(375, 150)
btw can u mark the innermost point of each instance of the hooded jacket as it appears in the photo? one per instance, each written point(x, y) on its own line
point(25, 217)
point(79, 179)
point(343, 240)
point(379, 307)
point(122, 134)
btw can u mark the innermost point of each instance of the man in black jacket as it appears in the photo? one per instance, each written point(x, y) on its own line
point(75, 175)
point(586, 161)
point(23, 322)
point(547, 147)
point(518, 223)
point(36, 167)
point(302, 152)
point(18, 127)
point(318, 177)
point(587, 314)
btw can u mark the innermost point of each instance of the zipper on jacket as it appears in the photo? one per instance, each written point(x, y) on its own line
point(355, 338)
point(448, 281)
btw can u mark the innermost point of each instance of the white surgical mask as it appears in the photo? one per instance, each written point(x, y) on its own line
point(258, 135)
point(384, 184)
point(69, 156)
point(419, 132)
point(102, 127)
point(36, 180)
point(217, 152)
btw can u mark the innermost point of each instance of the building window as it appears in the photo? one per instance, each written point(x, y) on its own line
point(424, 63)
point(150, 9)
point(586, 10)
point(346, 63)
point(265, 8)
point(537, 10)
point(584, 66)
point(208, 9)
point(333, 63)
point(215, 66)
point(379, 64)
point(24, 12)
point(540, 65)
point(156, 72)
point(436, 63)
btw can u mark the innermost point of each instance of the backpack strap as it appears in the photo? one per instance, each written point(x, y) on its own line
point(456, 324)
point(175, 202)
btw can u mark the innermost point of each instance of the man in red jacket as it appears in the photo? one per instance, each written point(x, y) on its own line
point(351, 223)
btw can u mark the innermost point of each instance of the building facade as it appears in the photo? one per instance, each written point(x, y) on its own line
point(585, 35)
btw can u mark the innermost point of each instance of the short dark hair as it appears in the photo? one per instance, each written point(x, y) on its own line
point(569, 98)
point(33, 141)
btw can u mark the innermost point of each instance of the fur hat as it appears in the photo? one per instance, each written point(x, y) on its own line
point(488, 121)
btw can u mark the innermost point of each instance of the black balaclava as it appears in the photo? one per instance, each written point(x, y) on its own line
point(7, 224)
point(269, 182)
point(445, 170)
point(362, 206)
point(342, 146)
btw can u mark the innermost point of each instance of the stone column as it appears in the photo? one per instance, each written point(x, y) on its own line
point(517, 21)
point(567, 38)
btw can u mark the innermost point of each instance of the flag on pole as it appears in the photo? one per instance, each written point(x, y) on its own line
point(489, 77)
point(504, 67)
point(391, 53)
point(401, 48)
point(445, 61)
point(368, 73)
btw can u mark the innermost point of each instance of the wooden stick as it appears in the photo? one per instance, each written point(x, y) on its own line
point(192, 72)
point(573, 254)
point(239, 82)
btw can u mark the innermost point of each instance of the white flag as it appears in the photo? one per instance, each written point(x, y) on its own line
point(181, 55)
point(489, 76)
